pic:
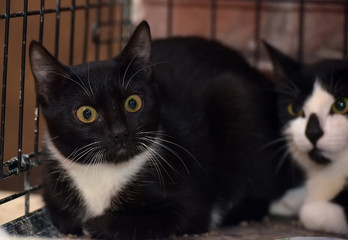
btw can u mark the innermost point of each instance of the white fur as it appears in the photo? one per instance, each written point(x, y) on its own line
point(98, 184)
point(218, 212)
point(290, 204)
point(324, 216)
point(324, 181)
point(324, 185)
point(216, 218)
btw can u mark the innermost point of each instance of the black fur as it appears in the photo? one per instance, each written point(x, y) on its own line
point(213, 110)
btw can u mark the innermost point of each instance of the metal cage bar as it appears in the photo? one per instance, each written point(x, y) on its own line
point(72, 32)
point(301, 30)
point(213, 18)
point(56, 44)
point(170, 6)
point(97, 32)
point(345, 30)
point(4, 86)
point(257, 32)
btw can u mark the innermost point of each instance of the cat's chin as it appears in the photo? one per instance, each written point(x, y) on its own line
point(317, 156)
point(120, 155)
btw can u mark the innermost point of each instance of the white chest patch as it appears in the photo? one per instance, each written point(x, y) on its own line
point(98, 184)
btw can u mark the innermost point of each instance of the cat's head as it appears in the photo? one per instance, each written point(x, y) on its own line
point(313, 108)
point(99, 111)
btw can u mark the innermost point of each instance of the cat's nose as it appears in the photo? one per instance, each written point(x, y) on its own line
point(313, 130)
point(120, 133)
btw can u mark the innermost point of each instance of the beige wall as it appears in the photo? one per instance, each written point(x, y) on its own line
point(323, 23)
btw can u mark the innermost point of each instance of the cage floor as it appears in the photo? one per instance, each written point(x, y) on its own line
point(38, 224)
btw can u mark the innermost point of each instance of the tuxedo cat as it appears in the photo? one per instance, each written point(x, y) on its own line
point(164, 139)
point(313, 112)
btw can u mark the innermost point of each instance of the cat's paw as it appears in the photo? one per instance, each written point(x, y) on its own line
point(324, 216)
point(290, 204)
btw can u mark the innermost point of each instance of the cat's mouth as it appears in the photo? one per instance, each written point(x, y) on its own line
point(121, 152)
point(317, 157)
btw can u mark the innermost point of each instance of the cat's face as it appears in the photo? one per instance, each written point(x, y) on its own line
point(100, 111)
point(313, 108)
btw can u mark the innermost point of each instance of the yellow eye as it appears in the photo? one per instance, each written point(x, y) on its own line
point(86, 114)
point(340, 106)
point(133, 103)
point(295, 110)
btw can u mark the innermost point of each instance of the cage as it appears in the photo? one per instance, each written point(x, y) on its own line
point(78, 31)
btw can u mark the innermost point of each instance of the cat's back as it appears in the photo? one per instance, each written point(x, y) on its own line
point(220, 103)
point(199, 59)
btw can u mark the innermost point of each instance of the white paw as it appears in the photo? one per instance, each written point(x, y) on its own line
point(290, 204)
point(324, 216)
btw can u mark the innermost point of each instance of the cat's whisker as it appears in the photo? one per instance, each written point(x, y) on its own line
point(84, 151)
point(158, 163)
point(62, 175)
point(88, 79)
point(88, 155)
point(282, 160)
point(338, 82)
point(280, 149)
point(97, 160)
point(294, 87)
point(129, 64)
point(154, 163)
point(169, 149)
point(156, 133)
point(185, 150)
point(79, 84)
point(137, 129)
point(81, 81)
point(274, 142)
point(289, 89)
point(50, 139)
point(163, 159)
point(151, 65)
point(90, 158)
point(83, 147)
point(281, 91)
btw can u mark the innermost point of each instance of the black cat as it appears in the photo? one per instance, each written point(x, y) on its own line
point(167, 138)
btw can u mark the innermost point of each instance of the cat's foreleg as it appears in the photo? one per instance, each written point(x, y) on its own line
point(290, 203)
point(324, 216)
point(318, 212)
point(144, 224)
point(64, 221)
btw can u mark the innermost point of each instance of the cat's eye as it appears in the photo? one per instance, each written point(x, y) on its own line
point(340, 106)
point(133, 103)
point(86, 114)
point(295, 110)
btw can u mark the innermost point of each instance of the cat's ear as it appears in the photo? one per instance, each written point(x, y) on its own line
point(138, 48)
point(46, 69)
point(284, 67)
